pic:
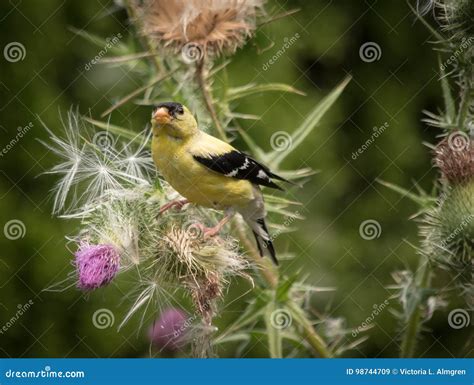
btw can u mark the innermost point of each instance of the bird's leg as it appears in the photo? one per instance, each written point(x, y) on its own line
point(178, 203)
point(213, 231)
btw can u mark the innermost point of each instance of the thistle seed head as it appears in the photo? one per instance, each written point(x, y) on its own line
point(456, 163)
point(212, 27)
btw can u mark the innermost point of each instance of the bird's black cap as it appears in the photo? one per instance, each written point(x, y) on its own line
point(172, 107)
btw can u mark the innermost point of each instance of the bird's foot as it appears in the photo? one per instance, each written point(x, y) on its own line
point(179, 203)
point(203, 231)
point(209, 232)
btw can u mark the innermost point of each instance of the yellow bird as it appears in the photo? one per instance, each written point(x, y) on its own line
point(209, 172)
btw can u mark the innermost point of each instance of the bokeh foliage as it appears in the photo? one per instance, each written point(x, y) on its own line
point(327, 244)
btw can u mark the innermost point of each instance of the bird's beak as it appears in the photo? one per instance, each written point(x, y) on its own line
point(161, 116)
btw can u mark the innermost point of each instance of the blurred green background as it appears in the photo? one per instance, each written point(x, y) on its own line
point(393, 89)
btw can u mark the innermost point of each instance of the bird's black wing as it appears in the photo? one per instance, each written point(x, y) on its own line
point(235, 164)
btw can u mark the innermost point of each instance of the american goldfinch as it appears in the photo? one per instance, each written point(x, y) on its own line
point(209, 172)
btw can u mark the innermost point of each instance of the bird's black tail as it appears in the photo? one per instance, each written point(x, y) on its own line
point(263, 239)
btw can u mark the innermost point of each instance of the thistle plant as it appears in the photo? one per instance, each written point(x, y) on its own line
point(447, 215)
point(109, 185)
point(96, 265)
point(121, 229)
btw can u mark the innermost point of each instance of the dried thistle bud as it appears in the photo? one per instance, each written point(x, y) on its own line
point(454, 156)
point(96, 265)
point(204, 292)
point(194, 256)
point(199, 27)
point(201, 265)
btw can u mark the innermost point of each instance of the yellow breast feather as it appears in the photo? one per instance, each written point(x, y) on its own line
point(174, 159)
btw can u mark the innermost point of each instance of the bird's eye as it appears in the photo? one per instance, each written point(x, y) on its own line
point(180, 110)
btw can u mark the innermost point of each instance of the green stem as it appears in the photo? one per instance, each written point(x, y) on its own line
point(412, 330)
point(464, 108)
point(308, 332)
point(147, 42)
point(271, 278)
point(207, 96)
point(275, 341)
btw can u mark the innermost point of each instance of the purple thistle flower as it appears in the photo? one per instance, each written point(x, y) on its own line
point(96, 265)
point(168, 331)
